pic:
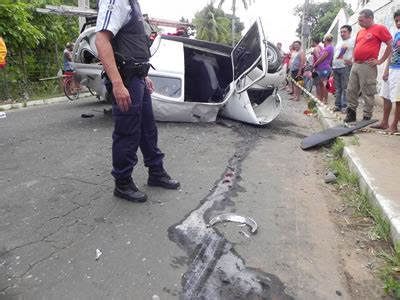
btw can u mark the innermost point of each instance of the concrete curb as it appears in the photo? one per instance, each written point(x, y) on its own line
point(386, 205)
point(32, 103)
point(366, 182)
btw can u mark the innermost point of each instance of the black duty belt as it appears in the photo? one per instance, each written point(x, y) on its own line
point(134, 69)
point(129, 67)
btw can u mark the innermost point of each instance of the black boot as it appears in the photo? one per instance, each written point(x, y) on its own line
point(126, 189)
point(159, 177)
point(351, 116)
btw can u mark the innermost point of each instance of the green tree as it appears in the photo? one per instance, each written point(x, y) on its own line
point(35, 43)
point(211, 24)
point(320, 16)
point(233, 20)
point(19, 34)
point(16, 25)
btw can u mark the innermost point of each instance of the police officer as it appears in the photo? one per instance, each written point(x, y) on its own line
point(123, 48)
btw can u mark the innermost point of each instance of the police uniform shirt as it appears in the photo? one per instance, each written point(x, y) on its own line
point(112, 15)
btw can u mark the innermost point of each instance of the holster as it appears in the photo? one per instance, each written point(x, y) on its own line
point(129, 67)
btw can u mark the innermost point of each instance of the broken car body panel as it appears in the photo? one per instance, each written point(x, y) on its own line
point(196, 80)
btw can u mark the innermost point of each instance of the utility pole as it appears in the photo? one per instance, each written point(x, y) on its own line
point(82, 4)
point(305, 27)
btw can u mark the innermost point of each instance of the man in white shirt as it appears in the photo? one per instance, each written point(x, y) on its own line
point(123, 48)
point(341, 66)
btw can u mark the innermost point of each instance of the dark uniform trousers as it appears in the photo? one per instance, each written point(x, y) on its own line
point(132, 129)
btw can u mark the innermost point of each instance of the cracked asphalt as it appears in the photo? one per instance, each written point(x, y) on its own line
point(57, 208)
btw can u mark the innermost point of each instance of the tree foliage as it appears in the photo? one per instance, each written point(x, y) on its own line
point(16, 25)
point(235, 38)
point(34, 41)
point(209, 23)
point(320, 16)
point(244, 2)
point(213, 25)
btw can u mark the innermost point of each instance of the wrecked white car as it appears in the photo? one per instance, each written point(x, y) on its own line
point(196, 80)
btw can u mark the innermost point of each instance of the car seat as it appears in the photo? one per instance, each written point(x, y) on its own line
point(202, 79)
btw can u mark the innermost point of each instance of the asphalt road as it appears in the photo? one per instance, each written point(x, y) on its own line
point(57, 208)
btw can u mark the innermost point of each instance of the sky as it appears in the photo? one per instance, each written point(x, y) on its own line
point(277, 15)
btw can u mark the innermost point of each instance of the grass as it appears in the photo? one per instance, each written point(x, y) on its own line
point(337, 148)
point(345, 176)
point(390, 273)
point(361, 202)
point(32, 91)
point(357, 199)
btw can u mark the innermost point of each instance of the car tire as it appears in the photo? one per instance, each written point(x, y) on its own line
point(92, 91)
point(274, 58)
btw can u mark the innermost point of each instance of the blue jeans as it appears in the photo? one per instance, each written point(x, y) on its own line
point(341, 79)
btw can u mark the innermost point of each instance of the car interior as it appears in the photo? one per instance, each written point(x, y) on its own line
point(206, 76)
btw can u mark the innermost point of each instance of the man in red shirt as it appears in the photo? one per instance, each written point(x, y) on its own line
point(364, 71)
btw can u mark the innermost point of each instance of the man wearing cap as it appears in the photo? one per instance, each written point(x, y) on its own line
point(123, 48)
point(365, 61)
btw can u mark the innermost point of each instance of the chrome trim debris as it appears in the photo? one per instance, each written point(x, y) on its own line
point(230, 217)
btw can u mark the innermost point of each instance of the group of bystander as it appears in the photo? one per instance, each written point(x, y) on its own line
point(353, 65)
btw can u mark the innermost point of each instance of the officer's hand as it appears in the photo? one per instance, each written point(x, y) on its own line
point(122, 97)
point(149, 84)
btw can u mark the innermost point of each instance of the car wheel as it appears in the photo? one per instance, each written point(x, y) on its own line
point(274, 58)
point(92, 91)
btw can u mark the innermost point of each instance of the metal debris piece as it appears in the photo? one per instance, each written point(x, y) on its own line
point(98, 254)
point(230, 217)
point(244, 233)
point(3, 115)
point(87, 115)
